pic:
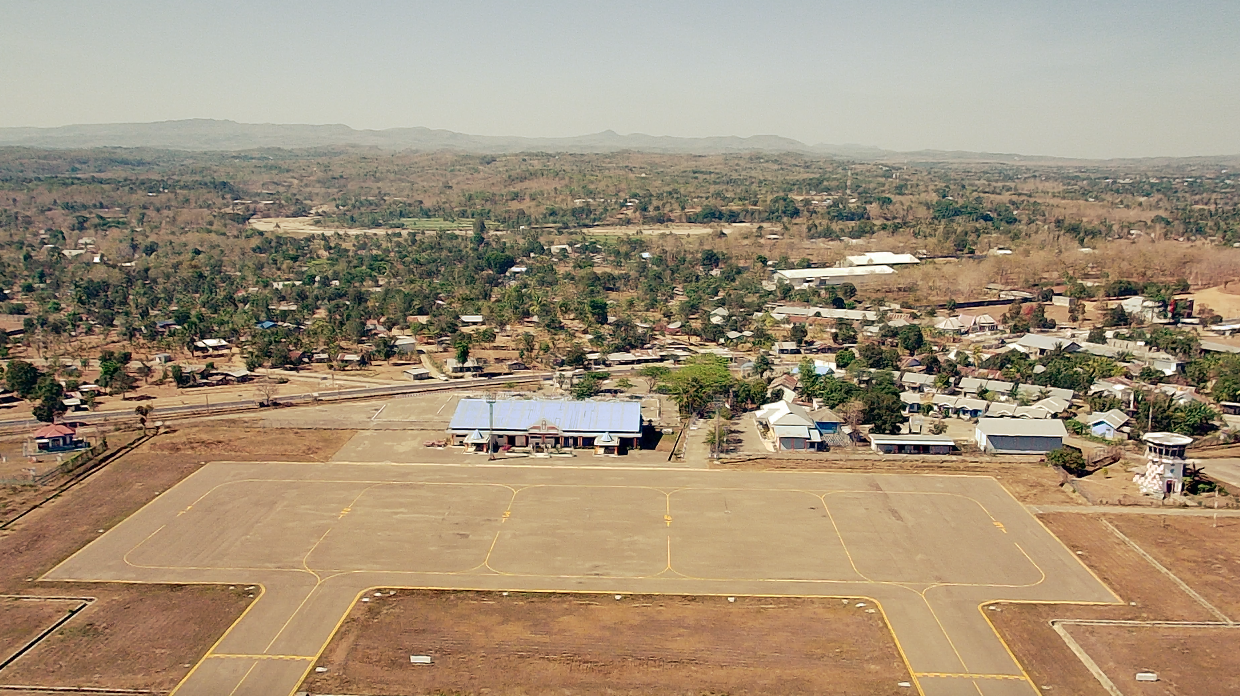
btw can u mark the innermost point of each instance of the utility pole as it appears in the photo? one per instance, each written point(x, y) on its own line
point(490, 399)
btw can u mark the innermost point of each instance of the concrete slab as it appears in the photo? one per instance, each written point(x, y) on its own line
point(926, 550)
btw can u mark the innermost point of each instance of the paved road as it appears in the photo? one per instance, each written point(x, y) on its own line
point(924, 550)
point(325, 396)
point(1225, 470)
point(1132, 510)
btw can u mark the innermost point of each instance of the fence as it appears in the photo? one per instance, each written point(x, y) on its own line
point(79, 459)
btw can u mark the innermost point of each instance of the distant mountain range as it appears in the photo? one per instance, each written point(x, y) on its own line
point(217, 135)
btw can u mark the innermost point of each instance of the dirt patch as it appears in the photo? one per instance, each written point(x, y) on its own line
point(142, 637)
point(1204, 556)
point(1124, 570)
point(537, 644)
point(21, 620)
point(1187, 660)
point(1224, 300)
point(225, 441)
point(1026, 627)
point(133, 636)
point(1029, 482)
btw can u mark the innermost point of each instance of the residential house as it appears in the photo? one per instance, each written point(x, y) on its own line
point(453, 367)
point(978, 323)
point(912, 403)
point(784, 387)
point(212, 345)
point(1104, 424)
point(785, 348)
point(1037, 345)
point(788, 427)
point(916, 381)
point(950, 325)
point(57, 437)
point(826, 420)
point(1144, 310)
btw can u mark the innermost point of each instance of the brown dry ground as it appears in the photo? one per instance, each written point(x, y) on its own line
point(1188, 661)
point(1205, 556)
point(145, 637)
point(543, 644)
point(15, 499)
point(1031, 483)
point(21, 620)
point(1048, 660)
point(134, 636)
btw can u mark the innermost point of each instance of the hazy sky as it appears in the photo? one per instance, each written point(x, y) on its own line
point(1091, 78)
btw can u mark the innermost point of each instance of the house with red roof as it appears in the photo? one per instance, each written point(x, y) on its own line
point(57, 437)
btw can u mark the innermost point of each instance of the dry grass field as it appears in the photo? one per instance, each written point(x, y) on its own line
point(545, 644)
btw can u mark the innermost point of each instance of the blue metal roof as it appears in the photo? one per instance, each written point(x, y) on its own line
point(571, 417)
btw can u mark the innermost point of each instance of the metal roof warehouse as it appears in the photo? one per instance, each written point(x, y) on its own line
point(535, 422)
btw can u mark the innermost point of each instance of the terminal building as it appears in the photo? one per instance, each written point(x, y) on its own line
point(609, 427)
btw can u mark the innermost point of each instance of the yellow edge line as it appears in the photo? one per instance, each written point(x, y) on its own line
point(262, 590)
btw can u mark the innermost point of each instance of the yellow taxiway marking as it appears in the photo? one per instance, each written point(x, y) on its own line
point(344, 512)
point(1000, 526)
point(967, 675)
point(668, 520)
point(261, 657)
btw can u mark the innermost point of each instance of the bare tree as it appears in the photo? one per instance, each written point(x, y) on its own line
point(265, 393)
point(852, 413)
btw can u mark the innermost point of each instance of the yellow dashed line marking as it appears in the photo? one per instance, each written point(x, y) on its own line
point(261, 657)
point(966, 675)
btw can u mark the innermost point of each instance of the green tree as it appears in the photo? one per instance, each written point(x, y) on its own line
point(1069, 459)
point(844, 358)
point(21, 378)
point(845, 332)
point(1193, 418)
point(1116, 316)
point(798, 333)
point(597, 310)
point(50, 395)
point(702, 380)
point(911, 338)
point(762, 364)
point(652, 374)
point(586, 387)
